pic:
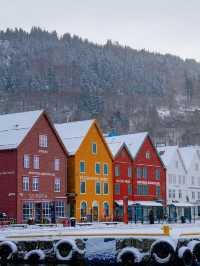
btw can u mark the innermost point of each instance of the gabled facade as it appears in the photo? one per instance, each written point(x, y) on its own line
point(148, 174)
point(191, 160)
point(176, 185)
point(32, 169)
point(90, 189)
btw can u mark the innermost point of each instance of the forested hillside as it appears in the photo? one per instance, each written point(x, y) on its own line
point(126, 89)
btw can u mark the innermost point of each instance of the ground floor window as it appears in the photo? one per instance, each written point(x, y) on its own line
point(60, 208)
point(28, 208)
point(83, 209)
point(106, 209)
point(46, 209)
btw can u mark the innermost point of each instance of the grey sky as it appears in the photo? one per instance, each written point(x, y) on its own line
point(167, 26)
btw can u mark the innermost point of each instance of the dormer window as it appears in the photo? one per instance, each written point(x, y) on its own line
point(94, 148)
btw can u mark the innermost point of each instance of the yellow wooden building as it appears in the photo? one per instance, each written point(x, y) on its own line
point(89, 178)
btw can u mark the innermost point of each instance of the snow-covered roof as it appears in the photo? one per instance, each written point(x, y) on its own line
point(121, 203)
point(182, 204)
point(132, 141)
point(73, 133)
point(187, 154)
point(167, 153)
point(14, 128)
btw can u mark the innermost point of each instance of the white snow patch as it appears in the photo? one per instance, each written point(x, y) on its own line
point(181, 251)
point(39, 252)
point(191, 245)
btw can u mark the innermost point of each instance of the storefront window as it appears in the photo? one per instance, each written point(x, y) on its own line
point(28, 210)
point(60, 208)
point(83, 209)
point(106, 209)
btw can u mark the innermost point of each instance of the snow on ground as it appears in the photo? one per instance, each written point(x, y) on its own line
point(118, 230)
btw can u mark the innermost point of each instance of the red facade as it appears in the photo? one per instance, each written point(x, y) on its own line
point(36, 197)
point(148, 177)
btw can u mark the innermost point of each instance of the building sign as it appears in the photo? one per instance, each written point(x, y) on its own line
point(7, 173)
point(43, 151)
point(38, 196)
point(41, 174)
point(126, 181)
point(93, 178)
point(148, 182)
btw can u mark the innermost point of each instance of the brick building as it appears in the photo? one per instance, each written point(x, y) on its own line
point(32, 167)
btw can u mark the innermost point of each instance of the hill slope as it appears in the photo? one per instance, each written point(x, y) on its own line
point(126, 89)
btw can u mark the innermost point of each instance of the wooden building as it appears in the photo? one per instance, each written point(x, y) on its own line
point(147, 190)
point(32, 168)
point(90, 189)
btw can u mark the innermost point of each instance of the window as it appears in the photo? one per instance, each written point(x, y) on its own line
point(139, 172)
point(193, 195)
point(60, 208)
point(148, 155)
point(170, 194)
point(43, 141)
point(139, 189)
point(105, 169)
point(26, 161)
point(157, 190)
point(83, 209)
point(57, 164)
point(82, 167)
point(180, 194)
point(179, 179)
point(94, 148)
point(25, 183)
point(83, 187)
point(117, 189)
point(145, 190)
point(106, 209)
point(145, 172)
point(35, 184)
point(176, 164)
point(174, 179)
point(192, 180)
point(196, 166)
point(129, 189)
point(57, 185)
point(97, 168)
point(36, 162)
point(28, 210)
point(129, 172)
point(98, 188)
point(46, 209)
point(157, 174)
point(198, 195)
point(117, 170)
point(105, 188)
point(174, 193)
point(183, 180)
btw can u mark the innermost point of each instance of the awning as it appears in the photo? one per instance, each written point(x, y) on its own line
point(148, 203)
point(181, 204)
point(141, 203)
point(120, 202)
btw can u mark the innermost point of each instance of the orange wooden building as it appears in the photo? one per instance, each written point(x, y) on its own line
point(89, 186)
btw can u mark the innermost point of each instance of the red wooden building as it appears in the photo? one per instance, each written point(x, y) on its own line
point(138, 174)
point(32, 168)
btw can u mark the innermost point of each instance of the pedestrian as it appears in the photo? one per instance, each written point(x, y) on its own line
point(151, 217)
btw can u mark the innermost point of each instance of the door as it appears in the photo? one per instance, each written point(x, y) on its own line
point(38, 212)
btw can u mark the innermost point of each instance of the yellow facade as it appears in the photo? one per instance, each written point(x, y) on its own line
point(96, 201)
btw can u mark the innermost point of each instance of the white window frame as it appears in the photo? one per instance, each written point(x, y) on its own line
point(98, 163)
point(105, 174)
point(36, 162)
point(26, 161)
point(94, 143)
point(57, 164)
point(43, 140)
point(25, 183)
point(83, 181)
point(57, 184)
point(35, 183)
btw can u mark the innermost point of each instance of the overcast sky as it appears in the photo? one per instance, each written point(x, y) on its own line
point(166, 26)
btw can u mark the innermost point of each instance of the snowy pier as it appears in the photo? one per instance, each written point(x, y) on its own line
point(101, 244)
